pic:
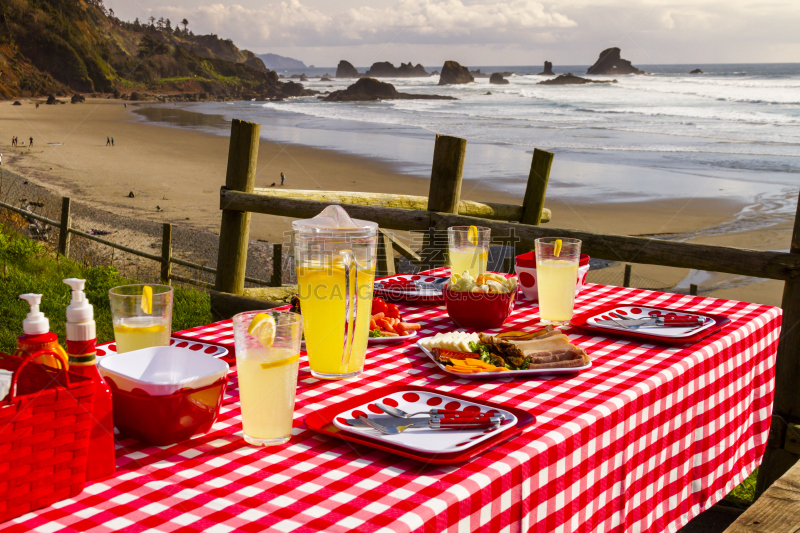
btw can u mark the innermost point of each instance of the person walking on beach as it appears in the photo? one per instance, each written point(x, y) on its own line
point(112, 141)
point(282, 178)
point(30, 144)
point(108, 141)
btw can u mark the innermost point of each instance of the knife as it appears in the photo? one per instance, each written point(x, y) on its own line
point(660, 321)
point(475, 422)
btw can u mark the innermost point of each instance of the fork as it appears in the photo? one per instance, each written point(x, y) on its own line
point(493, 422)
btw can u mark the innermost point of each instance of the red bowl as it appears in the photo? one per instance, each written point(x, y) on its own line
point(164, 420)
point(478, 310)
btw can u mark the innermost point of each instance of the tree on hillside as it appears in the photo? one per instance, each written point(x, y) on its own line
point(167, 25)
point(152, 20)
point(185, 24)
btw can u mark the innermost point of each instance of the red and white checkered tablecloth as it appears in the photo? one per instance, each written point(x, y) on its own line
point(645, 440)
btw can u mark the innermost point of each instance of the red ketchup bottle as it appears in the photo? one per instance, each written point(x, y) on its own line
point(81, 340)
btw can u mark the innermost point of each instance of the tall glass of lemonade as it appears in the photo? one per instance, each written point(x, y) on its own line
point(468, 249)
point(267, 355)
point(557, 261)
point(142, 316)
point(335, 258)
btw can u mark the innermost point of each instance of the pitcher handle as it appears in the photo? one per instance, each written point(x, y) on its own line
point(350, 264)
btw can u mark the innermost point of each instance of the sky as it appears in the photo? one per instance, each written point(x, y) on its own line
point(493, 32)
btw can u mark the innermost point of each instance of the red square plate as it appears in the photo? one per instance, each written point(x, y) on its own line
point(588, 321)
point(323, 422)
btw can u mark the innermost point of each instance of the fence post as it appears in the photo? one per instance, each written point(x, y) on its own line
point(63, 233)
point(234, 230)
point(692, 289)
point(777, 461)
point(535, 192)
point(385, 266)
point(626, 278)
point(166, 253)
point(277, 265)
point(444, 194)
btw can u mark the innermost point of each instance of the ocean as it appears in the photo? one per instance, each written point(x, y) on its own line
point(732, 132)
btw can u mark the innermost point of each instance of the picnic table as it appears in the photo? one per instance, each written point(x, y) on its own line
point(645, 440)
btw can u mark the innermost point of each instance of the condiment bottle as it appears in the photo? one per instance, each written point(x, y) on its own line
point(81, 341)
point(36, 334)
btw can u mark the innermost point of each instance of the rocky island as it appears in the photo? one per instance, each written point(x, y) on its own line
point(571, 79)
point(610, 62)
point(548, 70)
point(498, 79)
point(453, 73)
point(370, 89)
point(387, 70)
point(346, 70)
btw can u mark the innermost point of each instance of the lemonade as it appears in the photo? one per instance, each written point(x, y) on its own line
point(473, 259)
point(323, 300)
point(556, 279)
point(135, 333)
point(267, 383)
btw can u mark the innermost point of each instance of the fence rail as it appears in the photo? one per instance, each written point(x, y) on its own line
point(165, 258)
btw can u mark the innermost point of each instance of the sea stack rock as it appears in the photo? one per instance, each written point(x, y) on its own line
point(385, 69)
point(78, 99)
point(696, 71)
point(571, 79)
point(610, 62)
point(51, 99)
point(548, 69)
point(478, 74)
point(498, 79)
point(346, 70)
point(370, 89)
point(453, 73)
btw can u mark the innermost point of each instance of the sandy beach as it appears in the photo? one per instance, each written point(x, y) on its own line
point(175, 175)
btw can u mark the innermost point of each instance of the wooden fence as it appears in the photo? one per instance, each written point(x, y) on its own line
point(444, 208)
point(166, 258)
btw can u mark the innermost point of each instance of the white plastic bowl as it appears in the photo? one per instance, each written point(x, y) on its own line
point(161, 370)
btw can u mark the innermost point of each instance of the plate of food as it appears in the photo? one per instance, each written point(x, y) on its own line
point(387, 324)
point(413, 287)
point(508, 354)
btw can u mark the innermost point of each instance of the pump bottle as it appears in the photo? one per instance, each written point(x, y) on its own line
point(81, 341)
point(36, 334)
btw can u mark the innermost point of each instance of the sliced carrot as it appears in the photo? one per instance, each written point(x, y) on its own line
point(378, 316)
point(458, 362)
point(385, 326)
point(410, 326)
point(461, 370)
point(372, 324)
point(479, 363)
point(502, 369)
point(388, 334)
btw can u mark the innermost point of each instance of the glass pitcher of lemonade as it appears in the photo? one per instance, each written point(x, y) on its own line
point(335, 258)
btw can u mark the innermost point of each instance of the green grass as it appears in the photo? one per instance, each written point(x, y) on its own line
point(27, 266)
point(745, 494)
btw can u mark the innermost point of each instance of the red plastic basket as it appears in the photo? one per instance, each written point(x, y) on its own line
point(44, 435)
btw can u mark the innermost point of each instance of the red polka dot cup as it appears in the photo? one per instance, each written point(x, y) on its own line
point(525, 267)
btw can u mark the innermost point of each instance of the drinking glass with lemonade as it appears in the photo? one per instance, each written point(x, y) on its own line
point(557, 261)
point(142, 316)
point(468, 249)
point(267, 359)
point(335, 259)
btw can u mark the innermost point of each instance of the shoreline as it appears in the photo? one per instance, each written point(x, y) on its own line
point(180, 170)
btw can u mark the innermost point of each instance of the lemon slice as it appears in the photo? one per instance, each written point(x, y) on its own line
point(263, 328)
point(557, 250)
point(472, 235)
point(280, 362)
point(147, 299)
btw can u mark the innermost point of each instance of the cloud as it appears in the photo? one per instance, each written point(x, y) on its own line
point(291, 23)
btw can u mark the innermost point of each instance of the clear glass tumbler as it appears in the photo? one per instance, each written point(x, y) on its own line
point(468, 249)
point(139, 324)
point(557, 275)
point(267, 377)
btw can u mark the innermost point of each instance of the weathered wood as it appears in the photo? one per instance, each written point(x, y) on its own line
point(30, 215)
point(773, 265)
point(490, 210)
point(190, 281)
point(386, 217)
point(385, 266)
point(787, 370)
point(235, 228)
point(166, 253)
point(63, 230)
point(400, 247)
point(448, 165)
point(224, 305)
point(776, 511)
point(533, 204)
point(693, 289)
point(277, 265)
point(626, 277)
